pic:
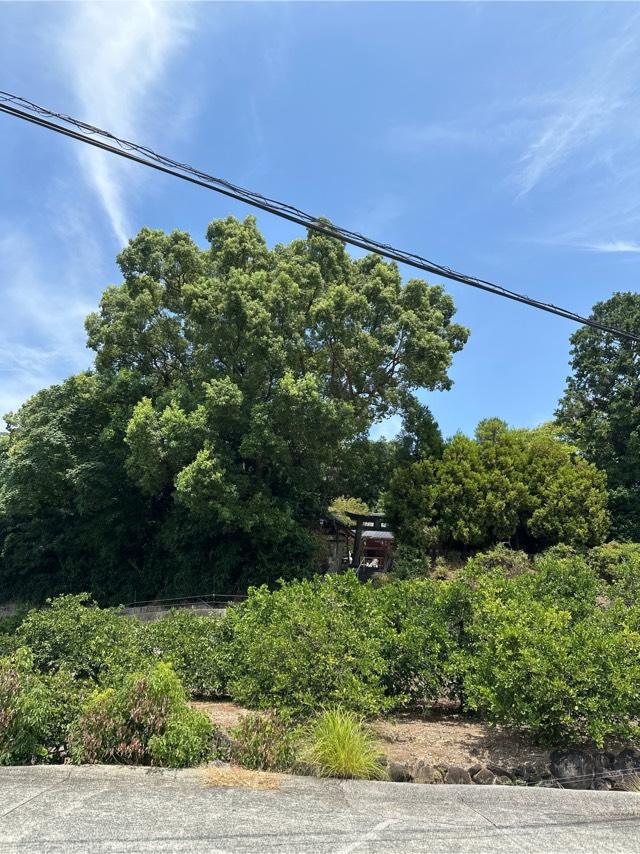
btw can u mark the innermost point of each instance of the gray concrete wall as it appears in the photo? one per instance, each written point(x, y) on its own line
point(150, 613)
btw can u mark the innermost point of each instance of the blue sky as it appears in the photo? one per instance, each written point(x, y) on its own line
point(500, 139)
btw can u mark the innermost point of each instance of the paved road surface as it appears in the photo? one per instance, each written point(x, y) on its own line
point(139, 810)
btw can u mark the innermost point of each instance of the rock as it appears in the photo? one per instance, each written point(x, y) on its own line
point(624, 767)
point(398, 773)
point(458, 776)
point(498, 770)
point(601, 785)
point(423, 773)
point(504, 780)
point(474, 769)
point(484, 777)
point(627, 760)
point(574, 769)
point(531, 772)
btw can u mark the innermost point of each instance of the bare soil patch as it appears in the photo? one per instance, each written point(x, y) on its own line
point(453, 740)
point(439, 739)
point(224, 715)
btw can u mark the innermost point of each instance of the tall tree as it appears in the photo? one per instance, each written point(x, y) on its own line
point(600, 409)
point(228, 385)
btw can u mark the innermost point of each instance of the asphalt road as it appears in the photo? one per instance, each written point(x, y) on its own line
point(137, 810)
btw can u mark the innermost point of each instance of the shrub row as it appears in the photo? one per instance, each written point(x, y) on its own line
point(550, 646)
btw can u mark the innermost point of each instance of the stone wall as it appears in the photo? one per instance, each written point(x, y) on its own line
point(566, 769)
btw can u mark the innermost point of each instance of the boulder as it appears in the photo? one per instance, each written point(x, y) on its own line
point(531, 772)
point(577, 769)
point(398, 772)
point(627, 760)
point(457, 776)
point(423, 773)
point(624, 767)
point(499, 771)
point(484, 777)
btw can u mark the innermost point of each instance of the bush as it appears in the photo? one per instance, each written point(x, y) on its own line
point(618, 564)
point(411, 562)
point(535, 667)
point(567, 583)
point(265, 741)
point(75, 635)
point(309, 643)
point(145, 720)
point(423, 664)
point(338, 745)
point(196, 648)
point(499, 561)
point(35, 711)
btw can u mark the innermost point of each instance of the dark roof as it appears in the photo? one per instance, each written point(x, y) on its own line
point(368, 534)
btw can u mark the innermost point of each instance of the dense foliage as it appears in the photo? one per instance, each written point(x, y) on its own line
point(549, 645)
point(73, 634)
point(600, 410)
point(526, 487)
point(309, 643)
point(35, 710)
point(265, 741)
point(195, 646)
point(541, 653)
point(229, 384)
point(143, 720)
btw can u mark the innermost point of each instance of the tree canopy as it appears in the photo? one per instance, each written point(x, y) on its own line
point(229, 383)
point(600, 409)
point(526, 487)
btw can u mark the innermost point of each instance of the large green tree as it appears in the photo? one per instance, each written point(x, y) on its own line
point(229, 386)
point(600, 409)
point(527, 487)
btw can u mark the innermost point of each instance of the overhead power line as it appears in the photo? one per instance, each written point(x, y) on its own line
point(20, 108)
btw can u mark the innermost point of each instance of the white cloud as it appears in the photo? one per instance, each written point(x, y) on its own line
point(41, 328)
point(114, 56)
point(598, 106)
point(612, 246)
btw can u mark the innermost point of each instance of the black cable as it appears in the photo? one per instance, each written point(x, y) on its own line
point(26, 110)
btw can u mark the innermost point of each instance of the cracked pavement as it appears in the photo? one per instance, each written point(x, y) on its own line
point(119, 809)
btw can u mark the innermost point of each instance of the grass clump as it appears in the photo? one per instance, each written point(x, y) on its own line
point(338, 744)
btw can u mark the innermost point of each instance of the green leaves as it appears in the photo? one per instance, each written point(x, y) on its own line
point(143, 720)
point(600, 409)
point(523, 486)
point(229, 386)
point(307, 644)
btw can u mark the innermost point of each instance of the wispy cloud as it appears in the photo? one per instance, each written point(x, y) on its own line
point(41, 332)
point(611, 246)
point(115, 56)
point(595, 107)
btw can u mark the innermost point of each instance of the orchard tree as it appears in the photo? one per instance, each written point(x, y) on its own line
point(600, 409)
point(229, 385)
point(526, 487)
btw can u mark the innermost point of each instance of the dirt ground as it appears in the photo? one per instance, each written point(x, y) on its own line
point(442, 739)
